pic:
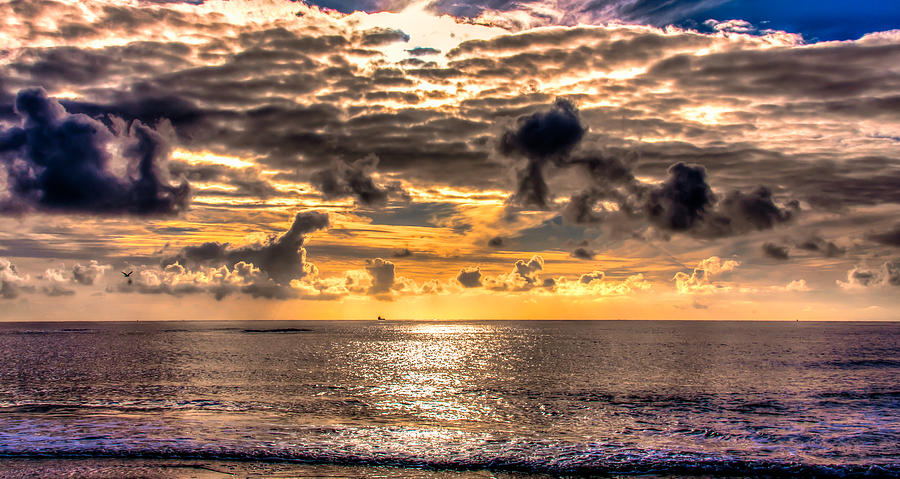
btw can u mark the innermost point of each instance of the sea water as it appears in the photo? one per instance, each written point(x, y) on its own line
point(674, 398)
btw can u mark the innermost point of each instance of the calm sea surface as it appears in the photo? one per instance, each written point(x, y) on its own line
point(557, 398)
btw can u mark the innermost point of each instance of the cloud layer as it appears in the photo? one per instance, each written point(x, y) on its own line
point(434, 155)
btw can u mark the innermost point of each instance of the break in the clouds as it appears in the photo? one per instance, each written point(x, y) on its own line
point(455, 149)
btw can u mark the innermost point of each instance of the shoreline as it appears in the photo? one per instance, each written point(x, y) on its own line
point(134, 468)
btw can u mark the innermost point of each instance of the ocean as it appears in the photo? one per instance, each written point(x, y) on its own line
point(452, 399)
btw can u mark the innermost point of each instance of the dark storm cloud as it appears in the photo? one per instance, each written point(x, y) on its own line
point(542, 137)
point(775, 251)
point(280, 258)
point(546, 134)
point(496, 242)
point(826, 180)
point(469, 277)
point(683, 202)
point(682, 199)
point(354, 179)
point(59, 162)
point(888, 238)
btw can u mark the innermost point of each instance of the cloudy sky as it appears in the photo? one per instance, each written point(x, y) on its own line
point(272, 159)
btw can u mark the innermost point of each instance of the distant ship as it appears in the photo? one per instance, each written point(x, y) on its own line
point(381, 319)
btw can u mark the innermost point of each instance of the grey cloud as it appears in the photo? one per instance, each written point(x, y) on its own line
point(422, 51)
point(147, 108)
point(683, 202)
point(402, 253)
point(840, 70)
point(592, 276)
point(887, 275)
point(496, 242)
point(12, 284)
point(229, 107)
point(525, 276)
point(583, 253)
point(775, 251)
point(281, 258)
point(755, 210)
point(344, 179)
point(57, 289)
point(247, 181)
point(888, 238)
point(470, 278)
point(821, 245)
point(220, 282)
point(382, 273)
point(382, 36)
point(529, 270)
point(88, 274)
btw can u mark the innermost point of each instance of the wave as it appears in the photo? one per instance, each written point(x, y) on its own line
point(570, 462)
point(48, 331)
point(125, 407)
point(861, 363)
point(278, 330)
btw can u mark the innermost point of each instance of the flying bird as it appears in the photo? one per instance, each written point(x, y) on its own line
point(128, 275)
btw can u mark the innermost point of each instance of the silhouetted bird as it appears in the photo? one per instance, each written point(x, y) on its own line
point(127, 275)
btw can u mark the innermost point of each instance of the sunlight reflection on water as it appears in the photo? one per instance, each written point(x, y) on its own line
point(546, 396)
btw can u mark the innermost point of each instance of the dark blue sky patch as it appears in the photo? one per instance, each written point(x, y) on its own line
point(414, 214)
point(816, 20)
point(552, 234)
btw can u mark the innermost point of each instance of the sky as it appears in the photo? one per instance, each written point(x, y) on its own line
point(606, 159)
